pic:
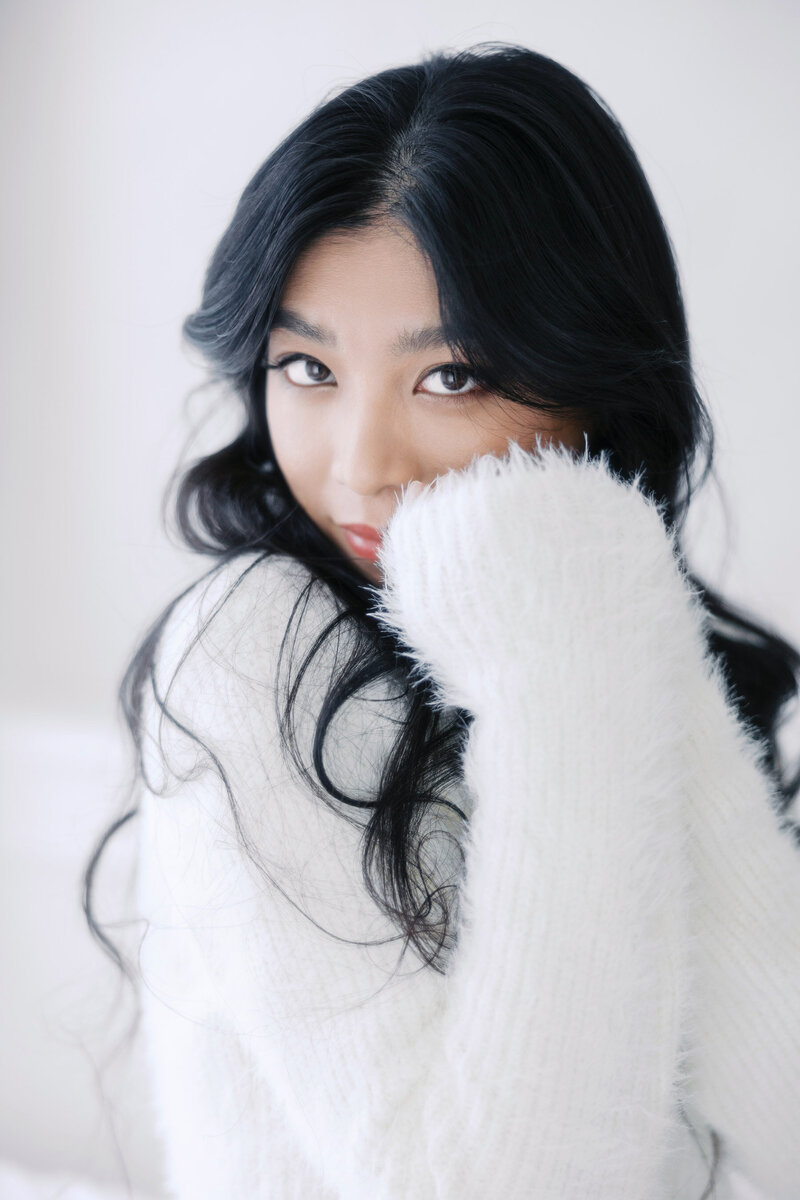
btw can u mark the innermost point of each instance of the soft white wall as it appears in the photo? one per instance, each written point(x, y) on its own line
point(128, 132)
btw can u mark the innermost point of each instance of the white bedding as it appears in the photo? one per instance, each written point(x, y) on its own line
point(18, 1182)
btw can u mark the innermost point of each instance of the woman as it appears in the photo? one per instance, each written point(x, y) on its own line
point(464, 847)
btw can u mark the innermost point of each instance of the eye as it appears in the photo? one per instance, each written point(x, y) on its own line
point(456, 379)
point(309, 372)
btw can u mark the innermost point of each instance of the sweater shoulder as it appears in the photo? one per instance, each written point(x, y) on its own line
point(224, 651)
point(229, 778)
point(239, 610)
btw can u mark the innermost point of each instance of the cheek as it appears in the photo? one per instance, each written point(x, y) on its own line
point(526, 429)
point(485, 429)
point(298, 451)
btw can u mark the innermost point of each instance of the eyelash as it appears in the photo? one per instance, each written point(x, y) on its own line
point(451, 398)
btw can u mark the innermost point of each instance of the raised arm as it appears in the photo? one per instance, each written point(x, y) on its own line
point(543, 595)
point(745, 1063)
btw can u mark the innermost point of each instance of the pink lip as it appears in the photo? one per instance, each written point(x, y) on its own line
point(364, 540)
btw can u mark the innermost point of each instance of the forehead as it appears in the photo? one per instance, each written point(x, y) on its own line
point(373, 281)
point(407, 341)
point(382, 261)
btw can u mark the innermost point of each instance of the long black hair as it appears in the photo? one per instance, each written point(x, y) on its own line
point(558, 285)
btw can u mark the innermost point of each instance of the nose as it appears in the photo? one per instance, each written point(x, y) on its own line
point(374, 451)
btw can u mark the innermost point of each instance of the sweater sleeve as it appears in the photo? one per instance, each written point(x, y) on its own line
point(544, 595)
point(745, 1063)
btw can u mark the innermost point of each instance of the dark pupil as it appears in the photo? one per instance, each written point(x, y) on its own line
point(312, 366)
point(454, 377)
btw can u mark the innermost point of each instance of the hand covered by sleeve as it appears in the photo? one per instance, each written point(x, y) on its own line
point(511, 562)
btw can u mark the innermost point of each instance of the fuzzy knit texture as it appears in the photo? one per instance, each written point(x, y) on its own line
point(627, 972)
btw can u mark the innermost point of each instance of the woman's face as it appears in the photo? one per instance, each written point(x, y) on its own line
point(372, 399)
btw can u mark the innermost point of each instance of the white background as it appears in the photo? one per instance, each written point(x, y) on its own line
point(128, 132)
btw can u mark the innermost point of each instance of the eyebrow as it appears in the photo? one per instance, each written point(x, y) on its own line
point(408, 341)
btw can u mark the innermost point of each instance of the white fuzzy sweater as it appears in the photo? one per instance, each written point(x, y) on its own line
point(627, 975)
